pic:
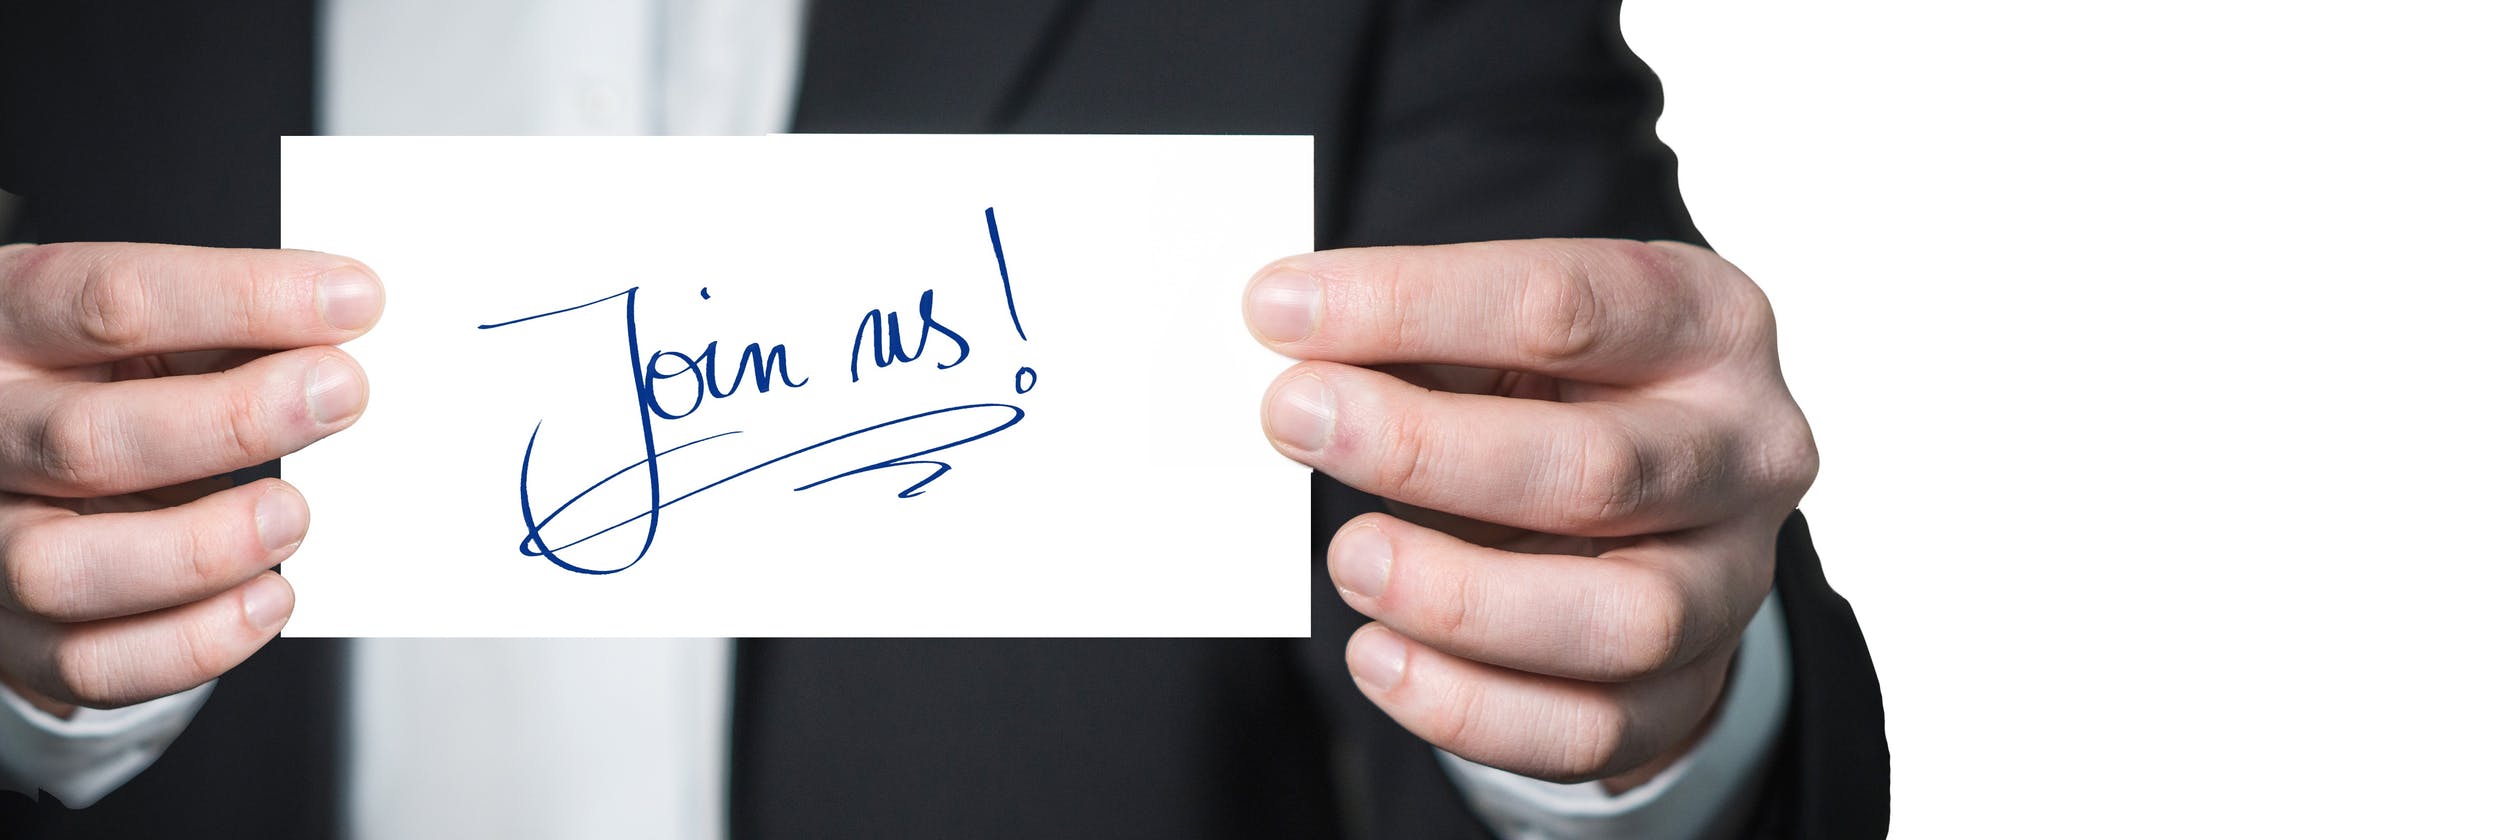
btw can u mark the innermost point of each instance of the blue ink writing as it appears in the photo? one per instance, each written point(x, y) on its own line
point(671, 385)
point(1025, 377)
point(998, 247)
point(885, 329)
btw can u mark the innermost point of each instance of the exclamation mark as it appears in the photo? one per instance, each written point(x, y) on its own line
point(1024, 377)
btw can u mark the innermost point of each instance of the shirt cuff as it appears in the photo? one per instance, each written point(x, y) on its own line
point(83, 758)
point(1708, 791)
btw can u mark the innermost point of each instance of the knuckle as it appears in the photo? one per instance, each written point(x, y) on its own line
point(84, 664)
point(1455, 725)
point(70, 445)
point(200, 653)
point(1644, 259)
point(42, 577)
point(1724, 310)
point(1391, 294)
point(1558, 317)
point(21, 263)
point(1790, 461)
point(21, 579)
point(113, 306)
point(240, 417)
point(1744, 317)
point(1447, 618)
point(201, 560)
point(1596, 736)
point(1610, 476)
point(1751, 302)
point(1638, 631)
point(1400, 462)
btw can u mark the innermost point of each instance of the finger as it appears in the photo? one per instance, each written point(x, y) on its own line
point(63, 567)
point(1539, 726)
point(1599, 310)
point(83, 303)
point(83, 439)
point(121, 661)
point(1586, 469)
point(1634, 611)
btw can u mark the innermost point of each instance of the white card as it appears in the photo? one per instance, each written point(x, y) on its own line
point(1071, 407)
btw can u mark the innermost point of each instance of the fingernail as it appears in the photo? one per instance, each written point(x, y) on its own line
point(280, 518)
point(350, 298)
point(1284, 306)
point(1377, 657)
point(332, 391)
point(1360, 561)
point(267, 602)
point(1301, 414)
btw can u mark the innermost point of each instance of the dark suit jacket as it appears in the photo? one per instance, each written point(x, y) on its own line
point(1437, 122)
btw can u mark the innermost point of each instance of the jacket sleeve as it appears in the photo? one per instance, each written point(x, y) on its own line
point(1494, 119)
point(1507, 119)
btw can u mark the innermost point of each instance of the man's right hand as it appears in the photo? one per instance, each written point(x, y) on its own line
point(133, 379)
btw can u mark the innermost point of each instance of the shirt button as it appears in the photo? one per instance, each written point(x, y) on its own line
point(598, 104)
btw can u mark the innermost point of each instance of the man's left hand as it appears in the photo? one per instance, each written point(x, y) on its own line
point(1587, 448)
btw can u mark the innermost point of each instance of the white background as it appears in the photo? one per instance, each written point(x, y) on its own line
point(2162, 359)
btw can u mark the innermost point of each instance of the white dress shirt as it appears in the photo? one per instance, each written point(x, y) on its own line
point(621, 739)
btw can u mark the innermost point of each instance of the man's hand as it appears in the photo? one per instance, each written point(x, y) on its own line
point(1588, 448)
point(132, 379)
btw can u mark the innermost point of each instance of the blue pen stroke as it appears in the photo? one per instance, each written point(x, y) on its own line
point(535, 545)
point(764, 370)
point(1005, 282)
point(880, 338)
